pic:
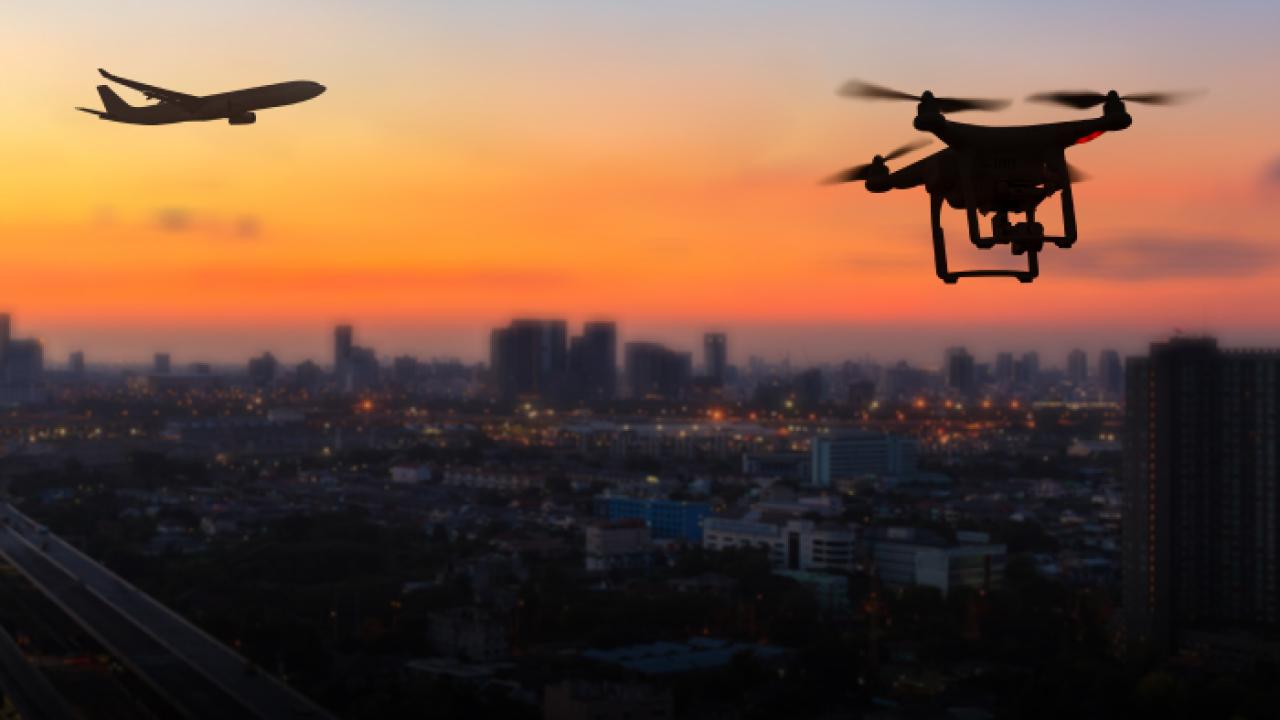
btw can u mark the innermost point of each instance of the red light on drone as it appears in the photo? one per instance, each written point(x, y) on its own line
point(1091, 136)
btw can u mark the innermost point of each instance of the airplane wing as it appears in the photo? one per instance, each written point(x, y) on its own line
point(190, 102)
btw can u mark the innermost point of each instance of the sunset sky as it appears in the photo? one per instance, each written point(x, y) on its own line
point(655, 163)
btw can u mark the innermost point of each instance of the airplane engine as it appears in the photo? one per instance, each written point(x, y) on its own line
point(243, 119)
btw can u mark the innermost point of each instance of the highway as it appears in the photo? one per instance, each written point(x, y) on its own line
point(195, 672)
point(30, 692)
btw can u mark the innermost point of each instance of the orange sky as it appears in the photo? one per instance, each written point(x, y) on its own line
point(654, 166)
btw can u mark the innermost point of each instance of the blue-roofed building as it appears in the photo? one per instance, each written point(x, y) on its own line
point(667, 519)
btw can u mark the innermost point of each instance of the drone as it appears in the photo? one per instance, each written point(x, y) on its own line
point(997, 171)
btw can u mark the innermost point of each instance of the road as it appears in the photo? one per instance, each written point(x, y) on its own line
point(190, 668)
point(30, 692)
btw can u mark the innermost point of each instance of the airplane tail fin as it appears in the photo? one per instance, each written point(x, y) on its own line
point(114, 104)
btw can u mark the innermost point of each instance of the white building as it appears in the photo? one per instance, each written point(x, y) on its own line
point(792, 544)
point(492, 480)
point(619, 544)
point(907, 556)
point(410, 474)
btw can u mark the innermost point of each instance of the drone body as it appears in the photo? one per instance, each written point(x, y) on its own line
point(997, 171)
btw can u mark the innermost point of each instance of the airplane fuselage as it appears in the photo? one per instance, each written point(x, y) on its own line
point(237, 106)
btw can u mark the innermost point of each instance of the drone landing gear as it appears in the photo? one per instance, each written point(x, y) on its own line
point(1030, 247)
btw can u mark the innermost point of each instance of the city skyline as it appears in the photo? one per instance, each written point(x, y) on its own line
point(919, 346)
point(618, 184)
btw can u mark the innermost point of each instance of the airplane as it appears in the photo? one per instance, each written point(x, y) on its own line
point(236, 107)
point(1000, 170)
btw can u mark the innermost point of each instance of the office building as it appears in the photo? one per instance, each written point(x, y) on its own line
point(666, 519)
point(528, 358)
point(1004, 368)
point(905, 557)
point(1027, 370)
point(1077, 367)
point(343, 342)
point(363, 371)
point(792, 544)
point(860, 454)
point(960, 370)
point(617, 545)
point(6, 329)
point(24, 363)
point(1202, 490)
point(262, 369)
point(75, 364)
point(593, 362)
point(1110, 374)
point(656, 372)
point(308, 375)
point(161, 364)
point(715, 348)
point(405, 370)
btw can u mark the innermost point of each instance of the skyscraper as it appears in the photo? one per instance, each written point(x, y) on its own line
point(1077, 366)
point(1202, 495)
point(24, 363)
point(161, 364)
point(529, 358)
point(715, 348)
point(1110, 374)
point(1027, 370)
point(593, 362)
point(960, 371)
point(76, 363)
point(653, 370)
point(5, 330)
point(343, 341)
point(1004, 368)
point(262, 369)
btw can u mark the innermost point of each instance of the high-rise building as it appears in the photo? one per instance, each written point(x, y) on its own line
point(362, 369)
point(405, 370)
point(1110, 374)
point(1077, 366)
point(76, 363)
point(1027, 370)
point(308, 375)
point(162, 364)
point(860, 453)
point(961, 374)
point(655, 371)
point(529, 358)
point(715, 347)
point(24, 363)
point(262, 369)
point(1202, 495)
point(593, 362)
point(1004, 368)
point(343, 342)
point(5, 330)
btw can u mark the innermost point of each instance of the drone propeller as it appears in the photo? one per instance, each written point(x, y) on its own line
point(865, 90)
point(858, 173)
point(1085, 99)
point(1076, 175)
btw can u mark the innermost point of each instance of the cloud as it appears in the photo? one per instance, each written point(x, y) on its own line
point(184, 220)
point(1153, 257)
point(174, 219)
point(1272, 175)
